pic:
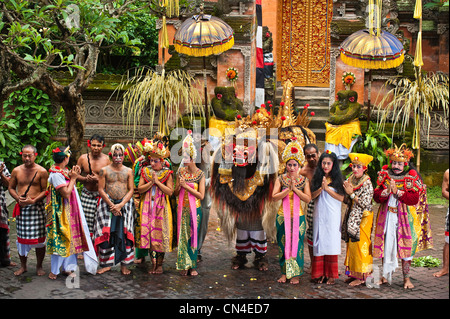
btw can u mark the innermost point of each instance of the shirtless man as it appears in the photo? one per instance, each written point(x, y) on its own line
point(312, 155)
point(445, 186)
point(27, 186)
point(90, 165)
point(116, 187)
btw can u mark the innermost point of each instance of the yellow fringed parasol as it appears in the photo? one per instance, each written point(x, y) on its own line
point(201, 36)
point(368, 49)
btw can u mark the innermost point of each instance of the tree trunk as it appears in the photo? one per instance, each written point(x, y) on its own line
point(75, 111)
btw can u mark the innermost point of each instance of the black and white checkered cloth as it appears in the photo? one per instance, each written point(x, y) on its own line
point(3, 208)
point(102, 229)
point(31, 224)
point(309, 221)
point(89, 202)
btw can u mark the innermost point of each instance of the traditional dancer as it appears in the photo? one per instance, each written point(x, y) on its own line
point(114, 225)
point(327, 187)
point(67, 230)
point(154, 224)
point(396, 232)
point(28, 185)
point(190, 189)
point(90, 165)
point(291, 188)
point(358, 220)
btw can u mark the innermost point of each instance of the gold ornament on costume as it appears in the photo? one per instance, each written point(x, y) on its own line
point(399, 154)
point(188, 146)
point(293, 150)
point(156, 147)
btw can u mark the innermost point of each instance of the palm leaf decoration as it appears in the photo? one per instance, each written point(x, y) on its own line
point(419, 99)
point(163, 91)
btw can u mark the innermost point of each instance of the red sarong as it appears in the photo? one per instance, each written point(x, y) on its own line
point(325, 266)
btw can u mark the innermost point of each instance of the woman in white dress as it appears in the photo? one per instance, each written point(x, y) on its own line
point(327, 188)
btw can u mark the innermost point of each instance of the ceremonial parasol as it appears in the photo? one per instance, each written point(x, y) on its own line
point(372, 50)
point(201, 36)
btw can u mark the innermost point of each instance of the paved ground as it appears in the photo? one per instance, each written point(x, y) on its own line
point(216, 280)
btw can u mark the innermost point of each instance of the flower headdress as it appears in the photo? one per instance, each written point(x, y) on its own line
point(399, 154)
point(188, 146)
point(293, 151)
point(58, 151)
point(156, 147)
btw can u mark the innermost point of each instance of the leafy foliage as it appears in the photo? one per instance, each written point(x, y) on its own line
point(28, 119)
point(426, 261)
point(373, 142)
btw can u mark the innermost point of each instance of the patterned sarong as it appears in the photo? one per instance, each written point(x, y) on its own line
point(89, 201)
point(309, 221)
point(325, 266)
point(103, 229)
point(30, 223)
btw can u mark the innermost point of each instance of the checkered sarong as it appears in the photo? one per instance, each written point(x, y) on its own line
point(89, 201)
point(309, 221)
point(31, 224)
point(3, 209)
point(102, 233)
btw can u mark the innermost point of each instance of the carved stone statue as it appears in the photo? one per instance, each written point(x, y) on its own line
point(225, 104)
point(346, 108)
point(343, 124)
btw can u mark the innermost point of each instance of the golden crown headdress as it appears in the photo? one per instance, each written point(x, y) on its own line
point(293, 150)
point(188, 145)
point(399, 154)
point(359, 158)
point(156, 147)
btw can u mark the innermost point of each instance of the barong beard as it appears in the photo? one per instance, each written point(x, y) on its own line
point(250, 209)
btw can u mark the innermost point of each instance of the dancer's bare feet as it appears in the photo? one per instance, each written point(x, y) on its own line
point(103, 270)
point(40, 271)
point(20, 271)
point(331, 281)
point(52, 276)
point(294, 281)
point(282, 279)
point(407, 284)
point(124, 270)
point(356, 282)
point(441, 273)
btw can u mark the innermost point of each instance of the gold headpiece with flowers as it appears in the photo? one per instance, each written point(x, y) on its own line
point(293, 150)
point(188, 146)
point(359, 158)
point(399, 154)
point(156, 147)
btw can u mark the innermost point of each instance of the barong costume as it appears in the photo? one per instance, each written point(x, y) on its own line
point(358, 222)
point(5, 255)
point(67, 230)
point(397, 225)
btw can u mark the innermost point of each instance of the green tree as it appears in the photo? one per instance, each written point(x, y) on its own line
point(42, 36)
